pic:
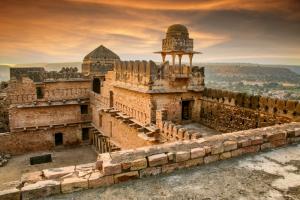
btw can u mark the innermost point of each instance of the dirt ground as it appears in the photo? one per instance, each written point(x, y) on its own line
point(204, 130)
point(61, 157)
point(273, 175)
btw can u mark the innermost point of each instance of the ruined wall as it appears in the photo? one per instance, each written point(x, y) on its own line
point(38, 140)
point(24, 90)
point(229, 111)
point(45, 116)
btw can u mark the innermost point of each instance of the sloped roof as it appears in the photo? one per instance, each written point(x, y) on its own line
point(101, 53)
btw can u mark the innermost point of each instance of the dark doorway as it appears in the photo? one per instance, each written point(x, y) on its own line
point(84, 109)
point(111, 99)
point(85, 134)
point(96, 85)
point(39, 92)
point(186, 110)
point(58, 139)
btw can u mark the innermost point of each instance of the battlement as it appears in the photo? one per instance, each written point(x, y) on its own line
point(148, 77)
point(273, 106)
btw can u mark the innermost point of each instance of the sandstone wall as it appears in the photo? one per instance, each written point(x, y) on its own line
point(45, 116)
point(37, 140)
point(229, 111)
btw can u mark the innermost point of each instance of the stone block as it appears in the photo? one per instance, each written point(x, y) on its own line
point(276, 136)
point(138, 164)
point(257, 140)
point(225, 155)
point(230, 145)
point(217, 149)
point(40, 189)
point(169, 168)
point(278, 143)
point(194, 162)
point(290, 133)
point(73, 184)
point(98, 180)
point(171, 156)
point(86, 167)
point(297, 132)
point(197, 152)
point(10, 194)
point(55, 173)
point(150, 171)
point(126, 166)
point(251, 149)
point(209, 159)
point(126, 176)
point(244, 143)
point(207, 149)
point(181, 156)
point(108, 168)
point(265, 146)
point(158, 159)
point(32, 177)
point(236, 152)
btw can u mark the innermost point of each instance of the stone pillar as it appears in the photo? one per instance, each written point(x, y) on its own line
point(180, 68)
point(191, 59)
point(163, 57)
point(173, 59)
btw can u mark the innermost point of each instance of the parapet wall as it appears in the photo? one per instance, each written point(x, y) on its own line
point(230, 111)
point(116, 167)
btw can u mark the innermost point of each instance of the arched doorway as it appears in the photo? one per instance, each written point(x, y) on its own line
point(58, 139)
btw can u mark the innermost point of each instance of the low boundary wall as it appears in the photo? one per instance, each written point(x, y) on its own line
point(115, 167)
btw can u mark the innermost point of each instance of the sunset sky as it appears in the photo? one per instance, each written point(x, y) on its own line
point(257, 31)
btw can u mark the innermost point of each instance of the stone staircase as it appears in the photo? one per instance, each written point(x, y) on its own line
point(102, 143)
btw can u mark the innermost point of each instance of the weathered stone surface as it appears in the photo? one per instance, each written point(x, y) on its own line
point(58, 172)
point(73, 184)
point(237, 152)
point(265, 146)
point(10, 194)
point(126, 165)
point(297, 132)
point(197, 152)
point(171, 156)
point(126, 176)
point(257, 140)
point(32, 177)
point(138, 164)
point(40, 189)
point(158, 159)
point(86, 167)
point(230, 145)
point(225, 155)
point(276, 136)
point(194, 162)
point(169, 168)
point(98, 180)
point(216, 149)
point(251, 149)
point(244, 143)
point(109, 168)
point(209, 159)
point(150, 171)
point(278, 143)
point(182, 156)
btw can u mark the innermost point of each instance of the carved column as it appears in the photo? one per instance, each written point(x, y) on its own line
point(191, 59)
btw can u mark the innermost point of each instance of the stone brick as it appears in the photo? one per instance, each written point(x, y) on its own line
point(73, 184)
point(169, 168)
point(126, 165)
point(55, 173)
point(230, 145)
point(109, 168)
point(182, 156)
point(207, 149)
point(150, 171)
point(138, 164)
point(236, 152)
point(276, 136)
point(293, 140)
point(171, 156)
point(40, 189)
point(209, 159)
point(98, 180)
point(257, 140)
point(197, 153)
point(32, 177)
point(194, 162)
point(10, 194)
point(290, 133)
point(126, 176)
point(251, 149)
point(158, 159)
point(297, 132)
point(244, 143)
point(278, 143)
point(225, 155)
point(217, 149)
point(265, 146)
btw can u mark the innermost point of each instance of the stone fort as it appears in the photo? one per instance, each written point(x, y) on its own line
point(143, 118)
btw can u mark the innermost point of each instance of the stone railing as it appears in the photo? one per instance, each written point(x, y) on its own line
point(112, 168)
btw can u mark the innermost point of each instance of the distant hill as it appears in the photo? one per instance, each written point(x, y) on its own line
point(4, 73)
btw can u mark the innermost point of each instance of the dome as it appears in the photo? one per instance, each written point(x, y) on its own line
point(176, 30)
point(101, 53)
